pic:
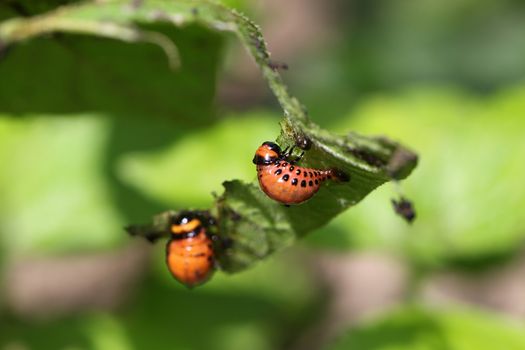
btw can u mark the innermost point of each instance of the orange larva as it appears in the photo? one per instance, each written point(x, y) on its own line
point(282, 180)
point(189, 252)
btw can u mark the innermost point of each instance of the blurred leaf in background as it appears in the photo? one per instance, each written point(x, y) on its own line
point(94, 101)
point(467, 191)
point(159, 174)
point(92, 130)
point(389, 45)
point(251, 309)
point(88, 134)
point(54, 195)
point(413, 328)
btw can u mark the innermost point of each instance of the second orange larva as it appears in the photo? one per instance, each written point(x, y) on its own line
point(189, 252)
point(284, 181)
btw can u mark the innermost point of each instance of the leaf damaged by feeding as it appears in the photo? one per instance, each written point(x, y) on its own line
point(255, 225)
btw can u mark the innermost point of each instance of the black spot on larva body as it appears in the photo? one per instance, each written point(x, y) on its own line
point(316, 182)
point(316, 173)
point(277, 163)
point(298, 172)
point(278, 172)
point(292, 168)
point(303, 183)
point(285, 165)
point(310, 183)
point(294, 182)
point(311, 175)
point(286, 177)
point(305, 174)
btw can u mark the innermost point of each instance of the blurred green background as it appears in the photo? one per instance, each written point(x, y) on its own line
point(96, 134)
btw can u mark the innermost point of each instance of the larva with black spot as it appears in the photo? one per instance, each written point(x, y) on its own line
point(189, 252)
point(282, 180)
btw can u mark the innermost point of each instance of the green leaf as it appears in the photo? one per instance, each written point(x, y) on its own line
point(70, 107)
point(158, 174)
point(412, 328)
point(251, 310)
point(57, 200)
point(257, 225)
point(468, 189)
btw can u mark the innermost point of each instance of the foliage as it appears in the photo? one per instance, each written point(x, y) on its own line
point(414, 328)
point(98, 133)
point(256, 225)
point(472, 150)
point(248, 310)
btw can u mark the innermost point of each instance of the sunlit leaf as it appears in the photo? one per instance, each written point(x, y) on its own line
point(468, 189)
point(411, 329)
point(257, 225)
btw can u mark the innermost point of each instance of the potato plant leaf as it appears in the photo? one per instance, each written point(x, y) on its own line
point(255, 224)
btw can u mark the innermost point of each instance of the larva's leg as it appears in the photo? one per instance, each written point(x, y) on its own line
point(298, 158)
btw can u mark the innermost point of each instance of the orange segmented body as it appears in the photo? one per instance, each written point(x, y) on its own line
point(189, 252)
point(284, 181)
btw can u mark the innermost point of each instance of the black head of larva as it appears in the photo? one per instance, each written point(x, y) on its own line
point(272, 146)
point(190, 221)
point(184, 217)
point(267, 153)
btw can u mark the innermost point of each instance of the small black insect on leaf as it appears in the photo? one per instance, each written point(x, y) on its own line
point(404, 208)
point(303, 142)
